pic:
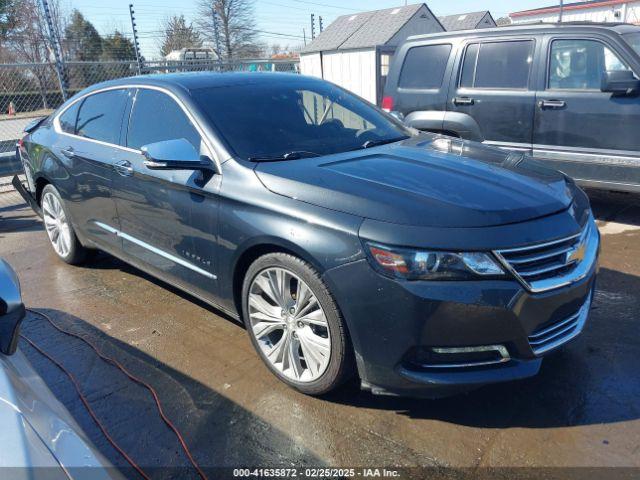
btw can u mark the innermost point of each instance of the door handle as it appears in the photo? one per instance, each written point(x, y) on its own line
point(68, 152)
point(124, 168)
point(463, 101)
point(554, 104)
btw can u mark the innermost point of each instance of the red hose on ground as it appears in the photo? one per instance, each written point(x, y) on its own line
point(132, 377)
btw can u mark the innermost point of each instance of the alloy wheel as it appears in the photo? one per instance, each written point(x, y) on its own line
point(289, 324)
point(56, 224)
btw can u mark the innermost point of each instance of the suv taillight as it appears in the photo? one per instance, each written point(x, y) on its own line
point(387, 104)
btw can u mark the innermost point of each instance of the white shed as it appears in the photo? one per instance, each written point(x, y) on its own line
point(355, 50)
point(468, 21)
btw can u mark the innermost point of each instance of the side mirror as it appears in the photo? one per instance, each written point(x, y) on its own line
point(176, 154)
point(12, 309)
point(620, 82)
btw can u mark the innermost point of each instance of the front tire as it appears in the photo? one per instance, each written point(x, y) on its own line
point(57, 223)
point(295, 325)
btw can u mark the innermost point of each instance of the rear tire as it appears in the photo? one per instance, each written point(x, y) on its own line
point(58, 226)
point(295, 325)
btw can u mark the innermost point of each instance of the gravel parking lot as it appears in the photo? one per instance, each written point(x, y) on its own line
point(583, 410)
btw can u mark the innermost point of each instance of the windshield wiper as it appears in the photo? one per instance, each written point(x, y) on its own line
point(383, 141)
point(293, 155)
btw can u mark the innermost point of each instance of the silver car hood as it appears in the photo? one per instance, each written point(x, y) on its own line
point(38, 431)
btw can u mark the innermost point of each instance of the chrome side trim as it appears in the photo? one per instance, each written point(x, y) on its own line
point(628, 158)
point(521, 147)
point(205, 138)
point(619, 186)
point(156, 250)
point(500, 349)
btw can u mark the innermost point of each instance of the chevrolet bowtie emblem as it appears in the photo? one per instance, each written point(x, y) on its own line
point(577, 254)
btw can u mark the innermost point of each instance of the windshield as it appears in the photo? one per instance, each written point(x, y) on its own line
point(294, 119)
point(633, 39)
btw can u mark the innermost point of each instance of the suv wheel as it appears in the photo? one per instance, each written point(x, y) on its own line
point(295, 325)
point(58, 226)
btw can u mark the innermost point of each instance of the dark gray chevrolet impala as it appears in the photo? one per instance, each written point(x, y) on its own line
point(347, 243)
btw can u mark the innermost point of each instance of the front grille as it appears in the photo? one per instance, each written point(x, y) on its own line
point(548, 265)
point(553, 335)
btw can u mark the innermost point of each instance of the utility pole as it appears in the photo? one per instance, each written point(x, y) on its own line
point(136, 44)
point(304, 35)
point(216, 34)
point(313, 26)
point(320, 22)
point(57, 51)
point(561, 11)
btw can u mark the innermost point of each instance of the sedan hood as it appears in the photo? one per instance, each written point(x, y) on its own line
point(424, 181)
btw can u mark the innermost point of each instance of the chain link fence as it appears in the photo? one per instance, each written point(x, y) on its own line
point(29, 90)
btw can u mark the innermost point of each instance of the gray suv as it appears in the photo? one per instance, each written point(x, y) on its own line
point(567, 93)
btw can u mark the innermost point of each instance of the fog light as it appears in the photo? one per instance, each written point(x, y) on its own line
point(459, 357)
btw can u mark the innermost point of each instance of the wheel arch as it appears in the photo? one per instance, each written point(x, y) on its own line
point(460, 124)
point(250, 252)
point(41, 181)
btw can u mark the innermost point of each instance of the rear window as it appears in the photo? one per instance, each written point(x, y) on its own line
point(497, 65)
point(424, 67)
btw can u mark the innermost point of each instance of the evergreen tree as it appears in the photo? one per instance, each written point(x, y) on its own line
point(81, 39)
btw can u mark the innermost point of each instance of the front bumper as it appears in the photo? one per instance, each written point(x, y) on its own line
point(390, 320)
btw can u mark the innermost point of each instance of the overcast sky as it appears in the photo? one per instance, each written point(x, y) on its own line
point(285, 17)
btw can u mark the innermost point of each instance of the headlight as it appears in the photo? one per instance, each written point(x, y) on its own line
point(432, 265)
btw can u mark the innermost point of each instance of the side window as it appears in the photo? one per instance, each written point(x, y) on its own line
point(68, 118)
point(156, 117)
point(100, 116)
point(580, 64)
point(504, 65)
point(469, 66)
point(424, 67)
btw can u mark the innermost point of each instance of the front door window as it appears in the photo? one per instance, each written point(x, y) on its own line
point(580, 64)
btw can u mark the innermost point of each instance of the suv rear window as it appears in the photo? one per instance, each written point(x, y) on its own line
point(424, 67)
point(497, 65)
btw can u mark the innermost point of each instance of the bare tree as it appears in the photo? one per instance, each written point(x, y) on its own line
point(236, 27)
point(178, 34)
point(28, 42)
point(503, 21)
point(8, 13)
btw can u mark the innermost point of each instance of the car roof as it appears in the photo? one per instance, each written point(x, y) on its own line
point(190, 81)
point(539, 27)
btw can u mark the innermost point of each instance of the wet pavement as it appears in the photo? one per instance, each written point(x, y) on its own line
point(582, 410)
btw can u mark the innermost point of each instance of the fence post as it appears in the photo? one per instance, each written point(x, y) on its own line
point(57, 51)
point(136, 44)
